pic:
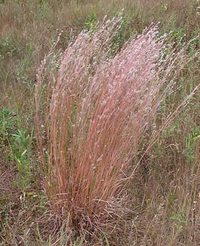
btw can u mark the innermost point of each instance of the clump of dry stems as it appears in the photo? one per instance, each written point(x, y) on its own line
point(92, 108)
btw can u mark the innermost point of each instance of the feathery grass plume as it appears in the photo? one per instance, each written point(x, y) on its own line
point(91, 110)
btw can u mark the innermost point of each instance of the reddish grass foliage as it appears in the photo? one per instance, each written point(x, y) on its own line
point(98, 106)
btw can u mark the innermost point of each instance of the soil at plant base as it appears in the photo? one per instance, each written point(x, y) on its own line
point(8, 174)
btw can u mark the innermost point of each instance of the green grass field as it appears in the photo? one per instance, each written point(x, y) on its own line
point(56, 186)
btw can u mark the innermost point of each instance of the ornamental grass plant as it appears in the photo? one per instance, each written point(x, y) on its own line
point(93, 106)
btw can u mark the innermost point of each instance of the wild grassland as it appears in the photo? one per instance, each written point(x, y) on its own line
point(162, 200)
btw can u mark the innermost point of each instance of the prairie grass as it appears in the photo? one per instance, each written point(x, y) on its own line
point(162, 196)
point(97, 108)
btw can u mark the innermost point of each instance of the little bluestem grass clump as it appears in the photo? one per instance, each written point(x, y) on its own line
point(92, 109)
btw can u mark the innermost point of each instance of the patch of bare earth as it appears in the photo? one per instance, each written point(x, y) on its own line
point(8, 175)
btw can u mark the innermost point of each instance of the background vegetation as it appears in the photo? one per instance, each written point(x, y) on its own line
point(163, 205)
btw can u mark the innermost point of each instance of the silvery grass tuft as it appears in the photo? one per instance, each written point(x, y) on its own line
point(92, 108)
